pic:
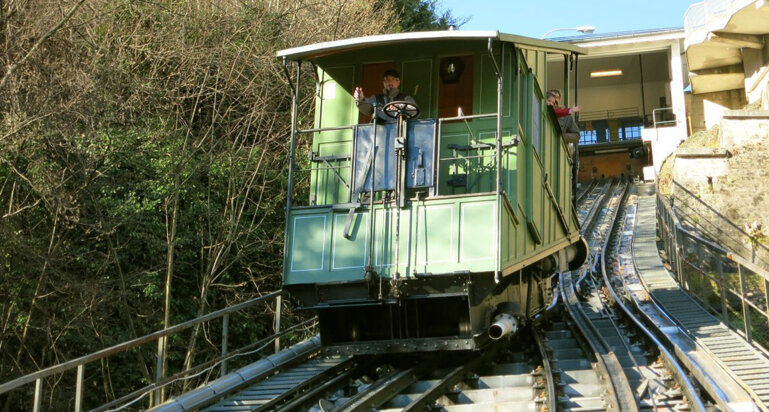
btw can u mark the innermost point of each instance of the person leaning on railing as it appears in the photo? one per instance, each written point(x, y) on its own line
point(568, 125)
point(560, 112)
point(569, 129)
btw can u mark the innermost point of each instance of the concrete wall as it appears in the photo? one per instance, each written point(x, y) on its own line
point(742, 128)
point(700, 168)
point(620, 96)
point(756, 65)
point(704, 110)
point(664, 141)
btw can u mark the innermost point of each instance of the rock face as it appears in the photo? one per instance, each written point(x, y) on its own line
point(724, 192)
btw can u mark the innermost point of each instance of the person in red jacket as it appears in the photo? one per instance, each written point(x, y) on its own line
point(553, 98)
point(569, 126)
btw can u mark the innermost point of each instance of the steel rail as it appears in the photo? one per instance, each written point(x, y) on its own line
point(608, 365)
point(456, 375)
point(552, 394)
point(314, 393)
point(619, 388)
point(384, 389)
point(337, 373)
point(592, 214)
point(670, 359)
point(587, 190)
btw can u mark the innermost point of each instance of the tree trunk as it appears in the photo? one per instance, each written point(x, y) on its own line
point(170, 247)
point(38, 285)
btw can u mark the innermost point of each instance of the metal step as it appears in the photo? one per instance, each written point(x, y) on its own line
point(583, 404)
point(498, 407)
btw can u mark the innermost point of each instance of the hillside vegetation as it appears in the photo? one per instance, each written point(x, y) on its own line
point(143, 150)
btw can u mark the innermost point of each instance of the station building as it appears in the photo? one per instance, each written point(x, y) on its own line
point(643, 92)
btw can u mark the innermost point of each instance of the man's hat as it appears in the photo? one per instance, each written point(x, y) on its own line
point(393, 73)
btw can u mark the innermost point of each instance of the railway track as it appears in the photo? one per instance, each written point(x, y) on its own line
point(623, 354)
point(499, 377)
point(590, 352)
point(733, 373)
point(502, 377)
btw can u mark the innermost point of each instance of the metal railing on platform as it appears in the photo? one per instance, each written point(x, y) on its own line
point(608, 114)
point(728, 285)
point(693, 211)
point(658, 117)
point(161, 381)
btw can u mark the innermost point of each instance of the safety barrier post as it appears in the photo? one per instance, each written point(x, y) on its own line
point(680, 258)
point(225, 336)
point(766, 298)
point(79, 388)
point(745, 306)
point(38, 394)
point(278, 308)
point(722, 289)
point(159, 371)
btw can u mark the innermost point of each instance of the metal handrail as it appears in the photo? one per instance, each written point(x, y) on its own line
point(353, 127)
point(662, 122)
point(681, 200)
point(468, 117)
point(698, 15)
point(695, 16)
point(608, 114)
point(83, 360)
point(260, 344)
point(672, 234)
point(326, 129)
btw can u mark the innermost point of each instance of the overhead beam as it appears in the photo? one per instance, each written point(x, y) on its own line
point(750, 41)
point(716, 82)
point(730, 69)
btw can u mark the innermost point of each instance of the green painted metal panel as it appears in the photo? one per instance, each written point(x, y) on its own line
point(418, 83)
point(335, 105)
point(308, 243)
point(487, 85)
point(537, 62)
point(319, 252)
point(477, 237)
point(349, 253)
point(437, 233)
point(510, 162)
point(385, 240)
point(447, 231)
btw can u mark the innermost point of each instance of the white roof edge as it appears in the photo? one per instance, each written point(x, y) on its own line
point(554, 46)
point(318, 49)
point(638, 38)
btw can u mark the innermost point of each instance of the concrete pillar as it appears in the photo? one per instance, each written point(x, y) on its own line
point(614, 125)
point(677, 88)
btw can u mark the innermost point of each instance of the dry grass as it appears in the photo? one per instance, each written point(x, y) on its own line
point(703, 139)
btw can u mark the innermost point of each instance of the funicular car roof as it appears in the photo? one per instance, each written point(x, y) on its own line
point(316, 50)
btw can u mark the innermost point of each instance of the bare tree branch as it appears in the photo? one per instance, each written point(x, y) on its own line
point(40, 41)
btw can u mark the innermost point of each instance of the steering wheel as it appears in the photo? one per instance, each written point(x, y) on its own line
point(401, 108)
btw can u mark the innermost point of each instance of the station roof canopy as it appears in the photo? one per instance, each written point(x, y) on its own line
point(316, 50)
